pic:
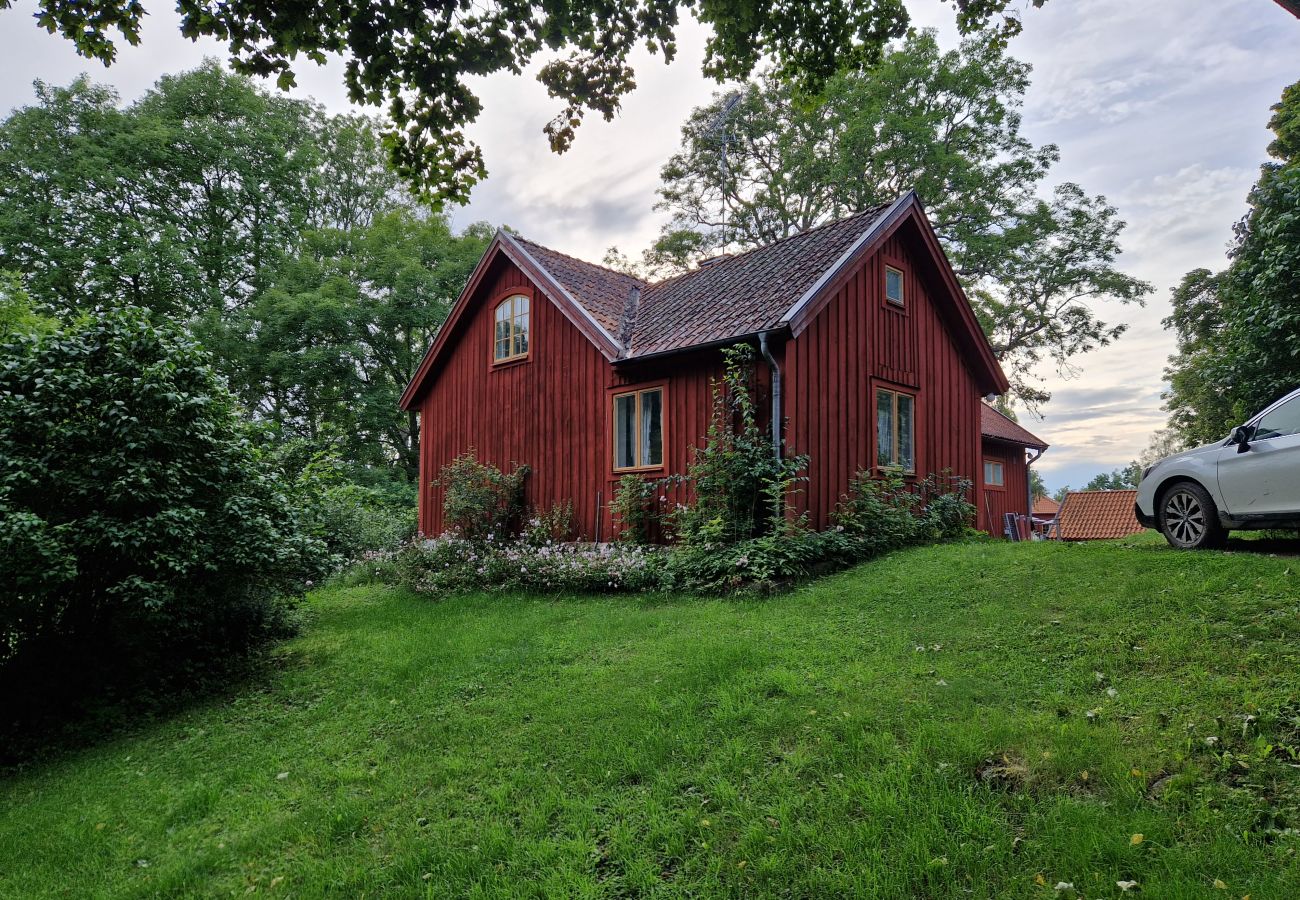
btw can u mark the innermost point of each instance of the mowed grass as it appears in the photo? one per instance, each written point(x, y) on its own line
point(916, 727)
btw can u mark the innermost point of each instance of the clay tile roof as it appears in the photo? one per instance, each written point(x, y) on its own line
point(997, 426)
point(745, 293)
point(1045, 506)
point(727, 298)
point(602, 292)
point(1097, 515)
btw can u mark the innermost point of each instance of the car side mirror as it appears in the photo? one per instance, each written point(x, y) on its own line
point(1241, 436)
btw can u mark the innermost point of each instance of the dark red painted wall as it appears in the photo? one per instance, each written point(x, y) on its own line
point(553, 411)
point(856, 344)
point(1014, 497)
point(547, 412)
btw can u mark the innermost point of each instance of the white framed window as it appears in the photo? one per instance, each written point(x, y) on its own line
point(895, 430)
point(994, 473)
point(511, 333)
point(639, 430)
point(894, 286)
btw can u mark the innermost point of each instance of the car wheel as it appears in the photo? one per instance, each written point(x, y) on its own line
point(1189, 519)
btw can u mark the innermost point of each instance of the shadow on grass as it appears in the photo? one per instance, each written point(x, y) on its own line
point(36, 734)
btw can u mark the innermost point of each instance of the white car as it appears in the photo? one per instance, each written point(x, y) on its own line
point(1251, 479)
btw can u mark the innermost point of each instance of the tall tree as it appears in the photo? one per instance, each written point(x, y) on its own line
point(1239, 330)
point(944, 123)
point(327, 349)
point(419, 58)
point(181, 201)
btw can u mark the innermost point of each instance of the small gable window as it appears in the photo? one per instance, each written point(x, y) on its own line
point(895, 430)
point(639, 429)
point(894, 285)
point(511, 336)
point(994, 473)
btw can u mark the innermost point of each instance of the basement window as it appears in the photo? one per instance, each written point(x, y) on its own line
point(639, 430)
point(895, 430)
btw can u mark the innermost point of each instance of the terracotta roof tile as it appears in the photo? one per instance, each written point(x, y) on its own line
point(1045, 506)
point(997, 426)
point(742, 294)
point(728, 298)
point(602, 292)
point(1097, 515)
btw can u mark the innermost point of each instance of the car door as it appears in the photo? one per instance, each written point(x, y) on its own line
point(1265, 480)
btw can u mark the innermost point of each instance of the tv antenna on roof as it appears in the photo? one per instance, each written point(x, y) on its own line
point(718, 127)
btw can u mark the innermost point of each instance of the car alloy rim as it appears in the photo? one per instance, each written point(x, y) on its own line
point(1184, 517)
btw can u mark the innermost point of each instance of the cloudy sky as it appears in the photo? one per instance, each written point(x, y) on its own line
point(1160, 105)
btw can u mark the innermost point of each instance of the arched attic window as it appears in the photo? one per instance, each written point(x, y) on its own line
point(511, 335)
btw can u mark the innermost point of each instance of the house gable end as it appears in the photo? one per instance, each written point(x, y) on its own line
point(956, 314)
point(504, 246)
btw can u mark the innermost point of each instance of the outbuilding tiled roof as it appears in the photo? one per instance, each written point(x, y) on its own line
point(1045, 507)
point(1097, 515)
point(725, 298)
point(997, 426)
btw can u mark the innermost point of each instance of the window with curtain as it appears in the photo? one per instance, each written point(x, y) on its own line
point(511, 329)
point(994, 473)
point(895, 430)
point(639, 429)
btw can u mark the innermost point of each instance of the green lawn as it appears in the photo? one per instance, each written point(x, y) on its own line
point(917, 727)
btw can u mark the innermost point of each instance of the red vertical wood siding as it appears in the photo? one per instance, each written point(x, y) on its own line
point(857, 343)
point(553, 412)
point(1014, 498)
point(548, 412)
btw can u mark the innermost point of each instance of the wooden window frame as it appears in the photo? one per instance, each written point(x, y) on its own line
point(876, 390)
point(987, 461)
point(502, 299)
point(637, 390)
point(893, 265)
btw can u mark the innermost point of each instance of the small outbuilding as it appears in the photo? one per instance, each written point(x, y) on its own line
point(1097, 515)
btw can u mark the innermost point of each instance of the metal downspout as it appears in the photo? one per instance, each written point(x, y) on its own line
point(776, 393)
point(1029, 486)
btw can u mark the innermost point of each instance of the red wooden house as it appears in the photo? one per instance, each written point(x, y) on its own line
point(871, 356)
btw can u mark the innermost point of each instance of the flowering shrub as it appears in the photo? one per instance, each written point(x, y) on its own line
point(478, 498)
point(552, 526)
point(450, 563)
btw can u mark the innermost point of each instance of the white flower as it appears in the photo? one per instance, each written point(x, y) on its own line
point(1111, 692)
point(1126, 886)
point(1065, 886)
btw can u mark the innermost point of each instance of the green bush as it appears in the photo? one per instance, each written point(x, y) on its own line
point(634, 509)
point(142, 529)
point(739, 488)
point(551, 526)
point(479, 499)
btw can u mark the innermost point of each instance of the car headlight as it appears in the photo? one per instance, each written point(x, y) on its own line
point(1148, 470)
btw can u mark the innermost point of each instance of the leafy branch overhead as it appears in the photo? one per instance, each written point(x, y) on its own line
point(416, 59)
point(1035, 262)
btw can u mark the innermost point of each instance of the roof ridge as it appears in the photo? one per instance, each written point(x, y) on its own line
point(728, 258)
point(579, 259)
